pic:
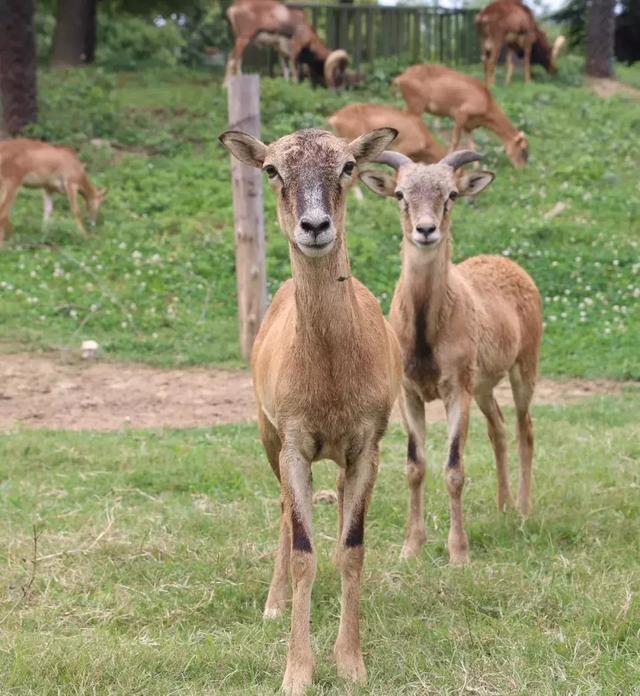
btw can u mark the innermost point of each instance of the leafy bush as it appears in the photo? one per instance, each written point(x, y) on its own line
point(75, 105)
point(127, 42)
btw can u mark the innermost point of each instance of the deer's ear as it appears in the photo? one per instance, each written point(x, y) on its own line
point(245, 147)
point(472, 183)
point(368, 146)
point(378, 182)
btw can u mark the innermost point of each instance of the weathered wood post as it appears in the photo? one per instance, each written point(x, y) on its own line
point(251, 281)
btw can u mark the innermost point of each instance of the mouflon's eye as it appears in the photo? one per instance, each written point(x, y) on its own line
point(270, 171)
point(453, 195)
point(399, 195)
point(348, 168)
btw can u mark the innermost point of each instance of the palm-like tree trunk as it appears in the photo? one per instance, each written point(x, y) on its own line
point(600, 28)
point(17, 64)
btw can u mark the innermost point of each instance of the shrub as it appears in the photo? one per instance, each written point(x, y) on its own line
point(128, 43)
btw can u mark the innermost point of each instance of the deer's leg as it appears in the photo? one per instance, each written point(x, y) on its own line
point(491, 55)
point(10, 191)
point(286, 67)
point(522, 385)
point(497, 434)
point(234, 61)
point(47, 201)
point(509, 60)
point(360, 475)
point(72, 195)
point(527, 61)
point(295, 482)
point(487, 57)
point(279, 589)
point(457, 401)
point(412, 407)
point(460, 121)
point(470, 142)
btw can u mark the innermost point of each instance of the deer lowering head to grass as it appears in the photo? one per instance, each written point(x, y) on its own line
point(446, 92)
point(326, 370)
point(53, 169)
point(461, 329)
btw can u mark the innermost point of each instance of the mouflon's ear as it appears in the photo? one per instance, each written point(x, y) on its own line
point(472, 183)
point(368, 146)
point(378, 182)
point(244, 147)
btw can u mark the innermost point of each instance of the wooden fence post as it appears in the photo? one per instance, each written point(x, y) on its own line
point(251, 281)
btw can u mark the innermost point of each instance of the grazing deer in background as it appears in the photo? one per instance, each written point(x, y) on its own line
point(510, 23)
point(326, 371)
point(270, 23)
point(53, 169)
point(461, 329)
point(446, 92)
point(414, 138)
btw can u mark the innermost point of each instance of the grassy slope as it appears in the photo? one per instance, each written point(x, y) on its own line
point(169, 598)
point(156, 282)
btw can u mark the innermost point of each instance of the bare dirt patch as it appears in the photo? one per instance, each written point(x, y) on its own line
point(605, 87)
point(47, 391)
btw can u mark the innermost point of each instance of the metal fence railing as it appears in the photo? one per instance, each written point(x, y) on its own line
point(369, 32)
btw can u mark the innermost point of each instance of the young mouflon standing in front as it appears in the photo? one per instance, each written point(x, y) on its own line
point(326, 370)
point(461, 329)
point(54, 169)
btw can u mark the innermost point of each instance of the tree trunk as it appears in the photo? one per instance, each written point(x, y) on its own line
point(74, 40)
point(600, 27)
point(90, 31)
point(17, 64)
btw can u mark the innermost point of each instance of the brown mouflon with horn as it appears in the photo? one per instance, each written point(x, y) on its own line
point(462, 328)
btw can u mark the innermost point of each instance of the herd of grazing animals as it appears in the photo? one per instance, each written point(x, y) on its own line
point(326, 366)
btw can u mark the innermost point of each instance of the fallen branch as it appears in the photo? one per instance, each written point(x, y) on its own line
point(26, 588)
point(84, 549)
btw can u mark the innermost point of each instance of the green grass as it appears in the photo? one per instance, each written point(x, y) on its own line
point(156, 281)
point(156, 550)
